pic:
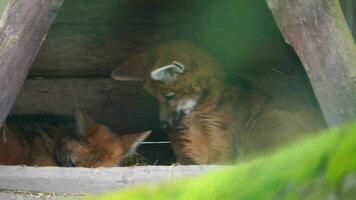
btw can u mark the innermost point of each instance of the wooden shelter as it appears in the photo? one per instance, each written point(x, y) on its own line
point(71, 61)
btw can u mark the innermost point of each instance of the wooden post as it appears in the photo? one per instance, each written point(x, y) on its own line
point(23, 27)
point(318, 32)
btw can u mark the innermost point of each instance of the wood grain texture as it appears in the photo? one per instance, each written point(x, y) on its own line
point(83, 180)
point(124, 106)
point(23, 27)
point(92, 50)
point(90, 38)
point(318, 32)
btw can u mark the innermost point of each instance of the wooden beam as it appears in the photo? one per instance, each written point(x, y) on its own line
point(318, 32)
point(124, 106)
point(106, 33)
point(23, 27)
point(85, 180)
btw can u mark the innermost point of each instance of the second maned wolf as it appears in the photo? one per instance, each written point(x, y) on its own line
point(48, 140)
point(208, 120)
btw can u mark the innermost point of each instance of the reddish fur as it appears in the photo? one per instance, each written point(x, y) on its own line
point(12, 150)
point(228, 121)
point(101, 147)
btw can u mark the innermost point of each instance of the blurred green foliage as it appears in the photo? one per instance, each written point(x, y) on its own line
point(322, 167)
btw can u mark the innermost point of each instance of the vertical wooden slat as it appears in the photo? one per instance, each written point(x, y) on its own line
point(23, 27)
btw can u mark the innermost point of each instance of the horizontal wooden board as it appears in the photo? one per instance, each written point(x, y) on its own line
point(123, 106)
point(84, 180)
point(128, 11)
point(93, 50)
point(91, 37)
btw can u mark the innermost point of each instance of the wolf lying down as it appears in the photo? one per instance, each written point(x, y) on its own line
point(80, 142)
point(209, 121)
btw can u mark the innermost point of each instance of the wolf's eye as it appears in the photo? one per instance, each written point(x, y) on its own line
point(170, 97)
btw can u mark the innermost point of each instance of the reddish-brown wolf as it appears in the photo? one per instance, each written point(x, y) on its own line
point(47, 140)
point(208, 120)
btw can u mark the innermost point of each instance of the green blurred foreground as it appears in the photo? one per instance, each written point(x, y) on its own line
point(321, 167)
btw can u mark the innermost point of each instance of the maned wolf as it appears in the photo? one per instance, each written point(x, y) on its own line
point(49, 141)
point(208, 120)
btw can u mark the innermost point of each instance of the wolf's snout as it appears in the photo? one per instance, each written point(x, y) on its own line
point(164, 125)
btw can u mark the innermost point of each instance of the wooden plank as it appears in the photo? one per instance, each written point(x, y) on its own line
point(123, 106)
point(93, 50)
point(23, 27)
point(319, 34)
point(84, 180)
point(349, 9)
point(128, 12)
point(91, 37)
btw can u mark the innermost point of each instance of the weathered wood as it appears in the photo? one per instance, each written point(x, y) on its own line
point(128, 12)
point(319, 34)
point(23, 27)
point(90, 38)
point(124, 106)
point(91, 50)
point(105, 33)
point(84, 180)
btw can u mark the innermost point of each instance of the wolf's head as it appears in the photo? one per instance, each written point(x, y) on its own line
point(178, 74)
point(96, 145)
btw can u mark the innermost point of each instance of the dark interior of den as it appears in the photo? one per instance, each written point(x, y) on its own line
point(91, 38)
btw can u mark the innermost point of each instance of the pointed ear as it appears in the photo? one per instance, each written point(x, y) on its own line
point(167, 73)
point(134, 69)
point(85, 124)
point(132, 141)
